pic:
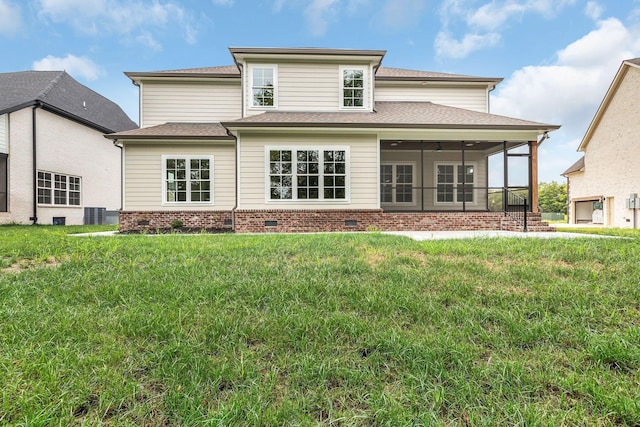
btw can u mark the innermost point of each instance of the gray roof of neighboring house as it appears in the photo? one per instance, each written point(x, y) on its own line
point(635, 61)
point(58, 92)
point(424, 115)
point(576, 167)
point(177, 131)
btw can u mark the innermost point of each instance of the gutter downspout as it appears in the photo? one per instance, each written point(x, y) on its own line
point(115, 144)
point(34, 148)
point(237, 150)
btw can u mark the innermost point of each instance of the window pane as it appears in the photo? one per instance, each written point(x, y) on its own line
point(263, 84)
point(188, 180)
point(386, 181)
point(445, 193)
point(353, 84)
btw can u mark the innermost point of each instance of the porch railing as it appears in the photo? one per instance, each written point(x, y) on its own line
point(449, 197)
point(515, 207)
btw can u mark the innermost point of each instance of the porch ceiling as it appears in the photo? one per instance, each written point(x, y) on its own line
point(415, 145)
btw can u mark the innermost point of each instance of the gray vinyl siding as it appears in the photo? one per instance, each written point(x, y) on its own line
point(199, 102)
point(306, 87)
point(363, 169)
point(470, 98)
point(143, 174)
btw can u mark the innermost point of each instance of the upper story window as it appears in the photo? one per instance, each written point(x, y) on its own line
point(263, 86)
point(353, 87)
point(57, 189)
point(188, 179)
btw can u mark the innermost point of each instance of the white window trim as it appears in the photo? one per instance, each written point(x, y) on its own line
point(53, 189)
point(414, 193)
point(295, 200)
point(365, 87)
point(250, 105)
point(455, 184)
point(188, 158)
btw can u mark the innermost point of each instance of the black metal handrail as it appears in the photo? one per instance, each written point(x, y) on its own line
point(515, 207)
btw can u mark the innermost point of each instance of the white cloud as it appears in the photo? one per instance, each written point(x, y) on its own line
point(319, 13)
point(446, 45)
point(77, 66)
point(120, 16)
point(10, 17)
point(568, 91)
point(495, 14)
point(148, 40)
point(482, 25)
point(593, 10)
point(399, 14)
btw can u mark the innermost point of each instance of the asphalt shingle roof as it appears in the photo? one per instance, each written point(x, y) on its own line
point(177, 131)
point(576, 167)
point(383, 73)
point(388, 73)
point(61, 92)
point(393, 115)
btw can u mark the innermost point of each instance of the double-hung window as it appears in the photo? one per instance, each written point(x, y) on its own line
point(307, 174)
point(58, 189)
point(263, 86)
point(352, 85)
point(396, 183)
point(188, 179)
point(455, 183)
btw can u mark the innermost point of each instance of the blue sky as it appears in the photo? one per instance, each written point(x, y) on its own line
point(557, 57)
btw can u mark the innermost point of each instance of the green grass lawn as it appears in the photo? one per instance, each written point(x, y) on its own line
point(341, 329)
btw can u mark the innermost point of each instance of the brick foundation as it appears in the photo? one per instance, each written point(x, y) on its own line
point(300, 221)
point(137, 221)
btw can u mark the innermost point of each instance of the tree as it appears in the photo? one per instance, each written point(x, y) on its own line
point(552, 197)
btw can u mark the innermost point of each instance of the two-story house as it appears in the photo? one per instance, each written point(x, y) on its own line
point(602, 183)
point(310, 139)
point(55, 165)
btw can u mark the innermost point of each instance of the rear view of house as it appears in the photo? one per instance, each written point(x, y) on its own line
point(54, 160)
point(309, 139)
point(604, 182)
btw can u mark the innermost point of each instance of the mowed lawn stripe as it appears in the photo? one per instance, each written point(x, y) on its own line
point(352, 329)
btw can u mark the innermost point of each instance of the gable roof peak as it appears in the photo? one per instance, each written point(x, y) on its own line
point(60, 93)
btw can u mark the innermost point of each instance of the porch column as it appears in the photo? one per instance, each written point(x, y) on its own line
point(505, 178)
point(464, 179)
point(533, 168)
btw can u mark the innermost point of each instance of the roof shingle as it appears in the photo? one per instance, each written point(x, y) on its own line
point(576, 167)
point(59, 91)
point(176, 131)
point(393, 115)
point(388, 73)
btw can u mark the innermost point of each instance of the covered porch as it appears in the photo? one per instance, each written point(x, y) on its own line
point(458, 176)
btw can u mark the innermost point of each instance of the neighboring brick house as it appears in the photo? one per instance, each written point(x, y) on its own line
point(309, 139)
point(54, 160)
point(601, 182)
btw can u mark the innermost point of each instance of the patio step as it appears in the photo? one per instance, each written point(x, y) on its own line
point(534, 223)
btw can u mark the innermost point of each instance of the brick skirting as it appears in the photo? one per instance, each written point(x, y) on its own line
point(140, 221)
point(288, 221)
